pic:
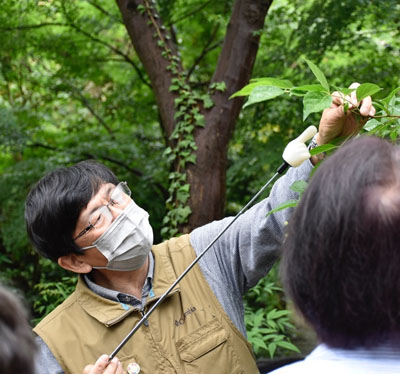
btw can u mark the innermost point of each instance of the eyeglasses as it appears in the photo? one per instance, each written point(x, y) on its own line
point(102, 216)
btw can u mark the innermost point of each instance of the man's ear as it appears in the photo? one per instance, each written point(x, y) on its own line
point(74, 263)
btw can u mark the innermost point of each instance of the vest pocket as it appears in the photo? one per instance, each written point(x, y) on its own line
point(207, 349)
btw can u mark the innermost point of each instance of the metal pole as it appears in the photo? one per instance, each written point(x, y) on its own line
point(279, 171)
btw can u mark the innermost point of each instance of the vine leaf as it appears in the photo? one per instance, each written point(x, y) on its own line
point(315, 101)
point(318, 74)
point(366, 89)
point(263, 93)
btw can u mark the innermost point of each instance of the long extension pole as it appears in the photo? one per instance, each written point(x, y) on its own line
point(293, 156)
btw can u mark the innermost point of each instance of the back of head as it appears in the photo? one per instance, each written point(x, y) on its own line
point(341, 256)
point(54, 204)
point(17, 348)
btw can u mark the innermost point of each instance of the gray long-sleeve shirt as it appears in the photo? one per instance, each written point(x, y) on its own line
point(235, 263)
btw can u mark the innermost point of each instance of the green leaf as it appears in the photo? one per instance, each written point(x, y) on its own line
point(272, 324)
point(183, 213)
point(208, 103)
point(314, 102)
point(218, 86)
point(371, 124)
point(366, 89)
point(299, 186)
point(322, 148)
point(281, 313)
point(173, 87)
point(263, 93)
point(288, 345)
point(268, 81)
point(265, 331)
point(182, 197)
point(393, 134)
point(272, 336)
point(271, 349)
point(271, 314)
point(285, 205)
point(309, 87)
point(141, 8)
point(191, 158)
point(259, 343)
point(200, 121)
point(344, 90)
point(246, 90)
point(318, 74)
point(387, 99)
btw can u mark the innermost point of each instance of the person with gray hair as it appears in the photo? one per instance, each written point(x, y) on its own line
point(17, 345)
point(341, 261)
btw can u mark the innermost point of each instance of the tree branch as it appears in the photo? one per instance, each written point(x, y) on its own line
point(72, 25)
point(115, 50)
point(41, 145)
point(92, 156)
point(86, 103)
point(190, 13)
point(102, 10)
point(36, 26)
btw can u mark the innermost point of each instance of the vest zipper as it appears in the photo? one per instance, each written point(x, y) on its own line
point(143, 312)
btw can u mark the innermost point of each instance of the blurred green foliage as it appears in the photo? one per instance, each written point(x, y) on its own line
point(268, 323)
point(72, 88)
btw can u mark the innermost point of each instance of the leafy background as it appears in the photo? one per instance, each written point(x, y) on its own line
point(73, 88)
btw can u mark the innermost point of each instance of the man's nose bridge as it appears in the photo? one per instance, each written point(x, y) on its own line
point(115, 211)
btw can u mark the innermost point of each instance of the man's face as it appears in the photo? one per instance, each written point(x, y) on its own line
point(97, 215)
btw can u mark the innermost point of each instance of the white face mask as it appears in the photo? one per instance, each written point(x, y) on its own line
point(127, 242)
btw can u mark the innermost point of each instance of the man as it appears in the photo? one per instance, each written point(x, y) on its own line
point(84, 218)
point(341, 261)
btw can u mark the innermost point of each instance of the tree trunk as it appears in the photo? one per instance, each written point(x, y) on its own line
point(207, 178)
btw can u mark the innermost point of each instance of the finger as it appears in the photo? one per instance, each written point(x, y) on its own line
point(120, 370)
point(353, 99)
point(372, 112)
point(87, 369)
point(353, 95)
point(337, 98)
point(112, 367)
point(366, 106)
point(98, 367)
point(354, 85)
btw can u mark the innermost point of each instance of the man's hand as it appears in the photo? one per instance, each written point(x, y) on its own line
point(335, 122)
point(102, 366)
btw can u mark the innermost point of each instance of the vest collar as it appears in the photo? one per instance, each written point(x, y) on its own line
point(109, 312)
point(164, 276)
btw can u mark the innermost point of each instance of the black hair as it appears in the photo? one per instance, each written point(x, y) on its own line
point(341, 255)
point(54, 204)
point(17, 345)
